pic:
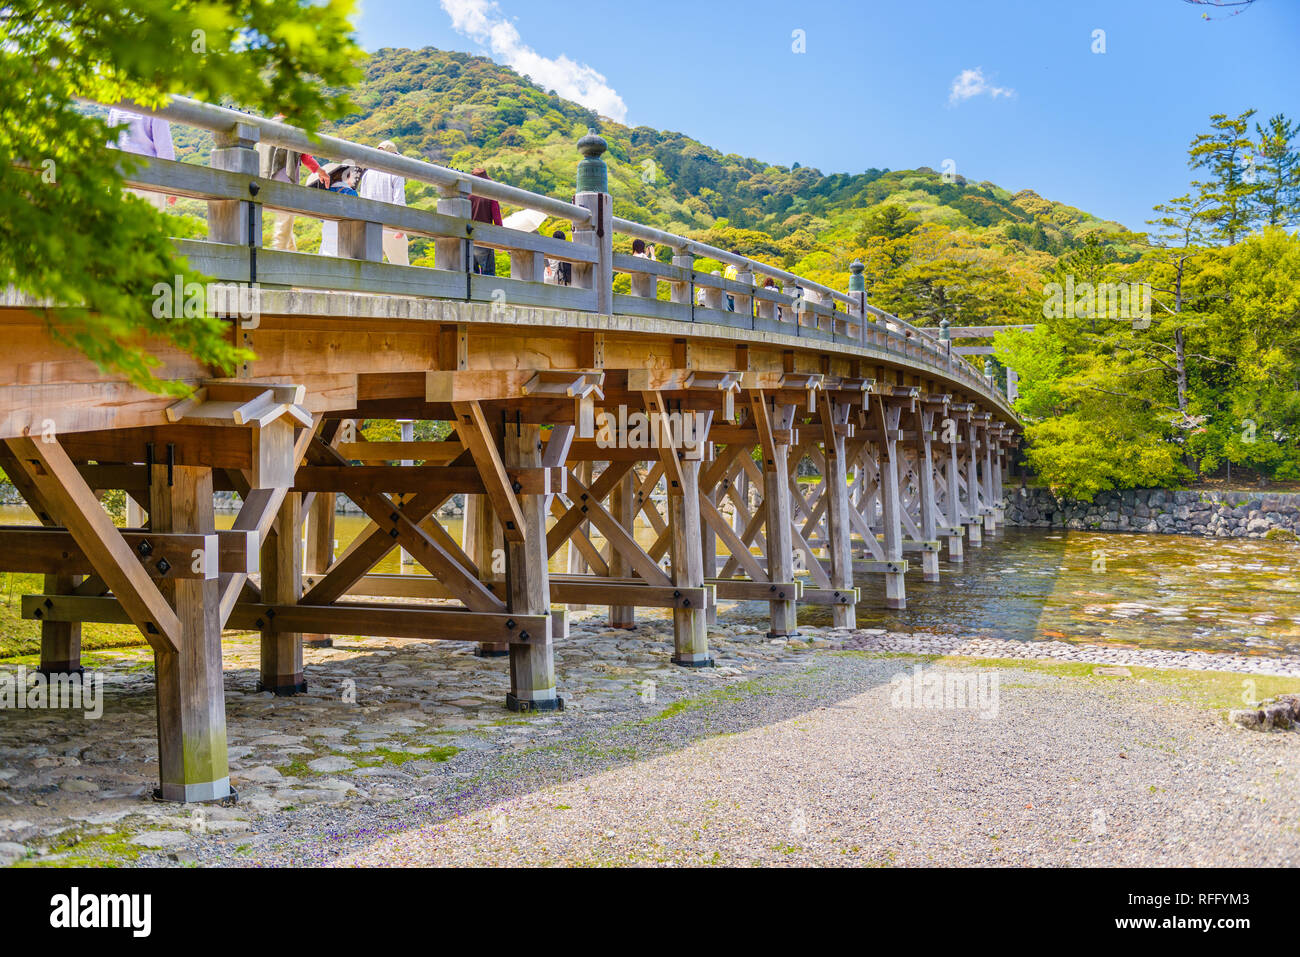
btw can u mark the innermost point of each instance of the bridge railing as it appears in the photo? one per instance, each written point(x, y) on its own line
point(236, 197)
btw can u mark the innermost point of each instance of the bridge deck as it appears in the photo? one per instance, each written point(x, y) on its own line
point(571, 408)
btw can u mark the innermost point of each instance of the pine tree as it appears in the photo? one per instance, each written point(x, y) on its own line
point(1228, 193)
point(1278, 173)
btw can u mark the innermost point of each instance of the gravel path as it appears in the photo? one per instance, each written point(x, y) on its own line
point(1071, 771)
point(789, 752)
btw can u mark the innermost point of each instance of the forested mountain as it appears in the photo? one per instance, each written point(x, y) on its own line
point(464, 111)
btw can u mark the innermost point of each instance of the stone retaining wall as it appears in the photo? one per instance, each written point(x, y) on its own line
point(1213, 514)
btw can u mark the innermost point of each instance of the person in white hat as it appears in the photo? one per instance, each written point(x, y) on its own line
point(342, 178)
point(388, 188)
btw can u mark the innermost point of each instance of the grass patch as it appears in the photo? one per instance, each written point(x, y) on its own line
point(382, 756)
point(21, 637)
point(714, 698)
point(1211, 690)
point(89, 850)
point(297, 768)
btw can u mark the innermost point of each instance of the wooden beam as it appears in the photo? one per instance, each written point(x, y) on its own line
point(403, 530)
point(53, 551)
point(378, 620)
point(738, 589)
point(621, 538)
point(655, 408)
point(47, 466)
point(473, 430)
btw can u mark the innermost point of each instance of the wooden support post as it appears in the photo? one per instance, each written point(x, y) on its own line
point(999, 497)
point(532, 665)
point(229, 219)
point(990, 509)
point(622, 505)
point(192, 759)
point(923, 421)
point(681, 292)
point(709, 555)
point(61, 640)
point(484, 546)
point(970, 476)
point(690, 629)
point(744, 305)
point(359, 239)
point(407, 427)
point(776, 504)
point(885, 418)
point(838, 530)
point(281, 668)
point(577, 565)
point(453, 253)
point(592, 194)
point(320, 550)
point(952, 496)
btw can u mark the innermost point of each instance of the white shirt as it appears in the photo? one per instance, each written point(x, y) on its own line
point(384, 187)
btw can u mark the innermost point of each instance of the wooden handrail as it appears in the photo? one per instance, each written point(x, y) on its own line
point(818, 312)
point(220, 119)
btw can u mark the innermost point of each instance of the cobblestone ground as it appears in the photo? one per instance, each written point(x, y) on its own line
point(787, 752)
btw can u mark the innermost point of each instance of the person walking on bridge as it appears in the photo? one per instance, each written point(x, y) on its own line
point(388, 188)
point(284, 165)
point(484, 210)
point(144, 136)
point(342, 178)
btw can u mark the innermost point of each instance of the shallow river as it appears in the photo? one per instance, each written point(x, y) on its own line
point(1156, 591)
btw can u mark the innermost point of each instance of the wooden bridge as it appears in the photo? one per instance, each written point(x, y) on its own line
point(571, 405)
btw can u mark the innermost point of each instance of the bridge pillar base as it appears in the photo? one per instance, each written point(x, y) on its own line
point(690, 626)
point(930, 566)
point(895, 591)
point(192, 757)
point(532, 666)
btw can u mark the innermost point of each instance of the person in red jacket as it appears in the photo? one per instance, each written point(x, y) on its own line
point(284, 165)
point(484, 210)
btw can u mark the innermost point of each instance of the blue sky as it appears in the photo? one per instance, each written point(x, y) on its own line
point(1106, 132)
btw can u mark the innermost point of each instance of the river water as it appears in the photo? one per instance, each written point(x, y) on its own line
point(1151, 591)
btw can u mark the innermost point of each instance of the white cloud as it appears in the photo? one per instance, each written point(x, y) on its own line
point(969, 83)
point(483, 22)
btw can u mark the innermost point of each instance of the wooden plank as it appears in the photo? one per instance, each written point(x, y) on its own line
point(360, 479)
point(836, 597)
point(597, 592)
